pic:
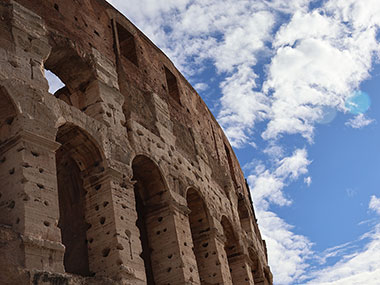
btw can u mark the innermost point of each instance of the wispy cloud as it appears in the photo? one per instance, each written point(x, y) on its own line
point(359, 121)
point(359, 267)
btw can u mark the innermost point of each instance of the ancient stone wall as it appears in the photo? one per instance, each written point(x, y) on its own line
point(123, 176)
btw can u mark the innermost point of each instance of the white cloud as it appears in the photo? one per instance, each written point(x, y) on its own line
point(307, 181)
point(359, 122)
point(374, 204)
point(201, 86)
point(287, 251)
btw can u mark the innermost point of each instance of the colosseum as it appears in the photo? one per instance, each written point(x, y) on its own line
point(123, 176)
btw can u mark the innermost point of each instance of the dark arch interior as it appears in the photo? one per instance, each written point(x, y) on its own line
point(76, 155)
point(149, 190)
point(255, 265)
point(200, 230)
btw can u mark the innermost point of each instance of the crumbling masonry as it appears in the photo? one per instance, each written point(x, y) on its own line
point(121, 177)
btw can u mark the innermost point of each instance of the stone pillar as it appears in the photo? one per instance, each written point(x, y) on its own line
point(107, 243)
point(28, 161)
point(215, 268)
point(240, 270)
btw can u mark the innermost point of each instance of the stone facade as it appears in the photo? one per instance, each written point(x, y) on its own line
point(121, 177)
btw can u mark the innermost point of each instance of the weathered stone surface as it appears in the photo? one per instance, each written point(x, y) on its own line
point(121, 177)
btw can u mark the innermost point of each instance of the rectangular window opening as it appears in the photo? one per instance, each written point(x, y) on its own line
point(127, 44)
point(171, 81)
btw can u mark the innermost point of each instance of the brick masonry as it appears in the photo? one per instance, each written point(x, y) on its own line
point(123, 176)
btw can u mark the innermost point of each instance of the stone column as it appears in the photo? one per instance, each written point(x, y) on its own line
point(240, 270)
point(28, 161)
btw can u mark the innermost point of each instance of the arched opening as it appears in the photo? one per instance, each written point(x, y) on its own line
point(244, 217)
point(76, 158)
point(232, 249)
point(150, 197)
point(256, 268)
point(8, 195)
point(200, 231)
point(68, 74)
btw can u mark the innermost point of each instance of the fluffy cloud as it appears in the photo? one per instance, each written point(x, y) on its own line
point(319, 61)
point(287, 251)
point(359, 121)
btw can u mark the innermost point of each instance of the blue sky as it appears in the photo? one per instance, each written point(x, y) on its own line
point(295, 86)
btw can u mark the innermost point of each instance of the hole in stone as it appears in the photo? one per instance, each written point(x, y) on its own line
point(41, 170)
point(158, 232)
point(26, 165)
point(40, 186)
point(17, 221)
point(46, 203)
point(96, 208)
point(105, 204)
point(97, 187)
point(20, 149)
point(165, 230)
point(170, 256)
point(102, 220)
point(46, 223)
point(12, 171)
point(96, 33)
point(91, 240)
point(106, 252)
point(123, 206)
point(35, 154)
point(206, 255)
point(9, 121)
point(169, 269)
point(119, 247)
point(205, 244)
point(56, 7)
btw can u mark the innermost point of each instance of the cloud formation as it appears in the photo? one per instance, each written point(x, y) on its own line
point(359, 121)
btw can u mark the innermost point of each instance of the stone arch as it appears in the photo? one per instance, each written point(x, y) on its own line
point(200, 226)
point(75, 71)
point(153, 219)
point(233, 252)
point(78, 162)
point(256, 266)
point(9, 204)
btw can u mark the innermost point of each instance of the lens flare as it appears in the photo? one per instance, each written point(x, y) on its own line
point(358, 103)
